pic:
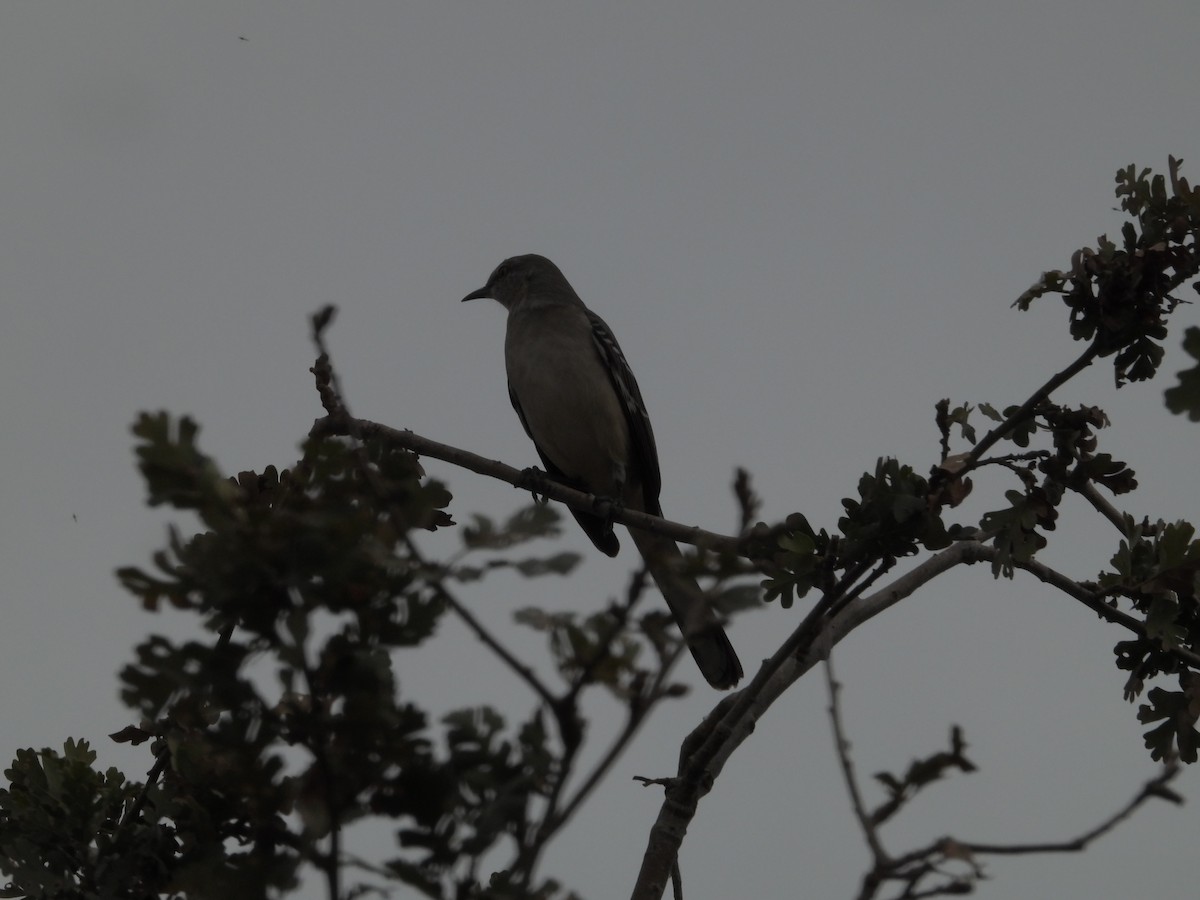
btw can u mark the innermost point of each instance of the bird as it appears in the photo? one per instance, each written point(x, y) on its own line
point(580, 404)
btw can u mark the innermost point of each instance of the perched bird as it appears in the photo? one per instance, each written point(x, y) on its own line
point(577, 398)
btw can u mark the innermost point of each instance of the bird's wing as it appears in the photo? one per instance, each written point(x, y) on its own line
point(643, 449)
point(598, 529)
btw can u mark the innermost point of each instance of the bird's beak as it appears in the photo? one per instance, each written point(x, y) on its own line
point(478, 294)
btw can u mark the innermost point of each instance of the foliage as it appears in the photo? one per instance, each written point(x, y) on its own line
point(289, 722)
point(59, 834)
point(1119, 297)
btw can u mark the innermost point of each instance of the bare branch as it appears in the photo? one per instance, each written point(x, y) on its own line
point(913, 867)
point(842, 748)
point(1101, 504)
point(524, 672)
point(1155, 787)
point(527, 479)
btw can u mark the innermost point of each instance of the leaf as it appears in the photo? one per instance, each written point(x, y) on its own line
point(1108, 472)
point(1177, 733)
point(131, 734)
point(1185, 396)
point(558, 564)
point(1016, 537)
point(537, 520)
point(991, 412)
point(798, 543)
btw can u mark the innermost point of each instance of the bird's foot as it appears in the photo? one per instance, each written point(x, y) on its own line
point(533, 479)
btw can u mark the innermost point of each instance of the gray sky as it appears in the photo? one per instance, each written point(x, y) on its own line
point(805, 223)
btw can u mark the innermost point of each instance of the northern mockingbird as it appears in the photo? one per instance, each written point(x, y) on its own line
point(579, 402)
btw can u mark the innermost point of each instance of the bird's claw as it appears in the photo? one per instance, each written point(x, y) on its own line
point(531, 479)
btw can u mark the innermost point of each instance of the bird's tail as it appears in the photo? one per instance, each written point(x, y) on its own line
point(701, 629)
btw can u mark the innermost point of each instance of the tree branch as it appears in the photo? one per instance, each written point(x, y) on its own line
point(738, 713)
point(727, 727)
point(1101, 504)
point(1092, 599)
point(527, 479)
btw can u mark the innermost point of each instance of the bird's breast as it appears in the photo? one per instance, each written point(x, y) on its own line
point(569, 404)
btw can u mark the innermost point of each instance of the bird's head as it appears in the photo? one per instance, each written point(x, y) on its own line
point(518, 277)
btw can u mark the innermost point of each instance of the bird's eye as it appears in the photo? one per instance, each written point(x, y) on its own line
point(501, 271)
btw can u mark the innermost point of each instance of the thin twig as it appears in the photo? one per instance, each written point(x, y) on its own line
point(524, 672)
point(161, 760)
point(620, 614)
point(842, 747)
point(1154, 788)
point(1092, 600)
point(1084, 360)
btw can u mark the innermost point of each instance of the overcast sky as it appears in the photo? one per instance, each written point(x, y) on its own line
point(804, 222)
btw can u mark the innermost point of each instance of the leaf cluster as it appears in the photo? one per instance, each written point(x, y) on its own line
point(891, 517)
point(291, 724)
point(1120, 294)
point(59, 834)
